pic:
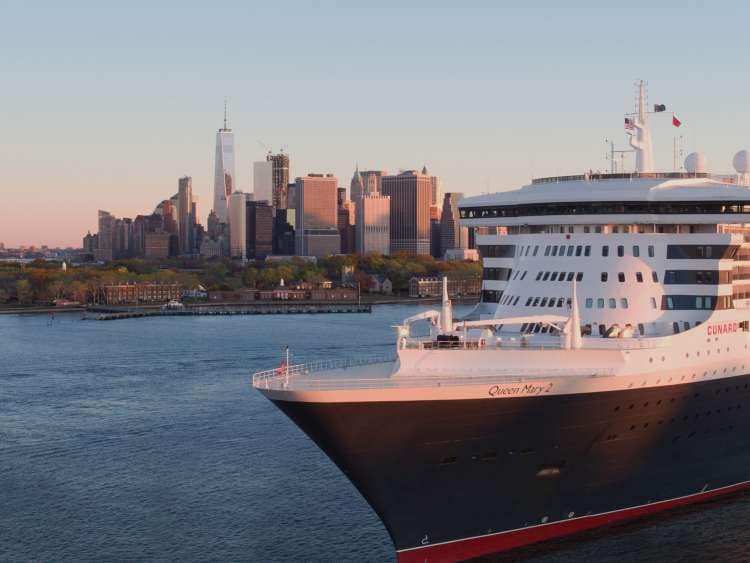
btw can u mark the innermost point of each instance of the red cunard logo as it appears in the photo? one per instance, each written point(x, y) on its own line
point(722, 328)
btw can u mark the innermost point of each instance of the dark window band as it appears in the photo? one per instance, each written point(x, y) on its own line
point(700, 251)
point(695, 302)
point(607, 208)
point(496, 274)
point(699, 277)
point(497, 250)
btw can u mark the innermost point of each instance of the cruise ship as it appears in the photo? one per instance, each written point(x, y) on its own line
point(604, 375)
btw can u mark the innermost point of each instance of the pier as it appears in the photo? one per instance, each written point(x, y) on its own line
point(100, 313)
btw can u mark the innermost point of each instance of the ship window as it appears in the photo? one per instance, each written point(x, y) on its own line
point(546, 250)
point(587, 250)
point(536, 249)
point(676, 327)
point(604, 276)
point(586, 229)
point(561, 277)
point(553, 277)
point(655, 277)
point(571, 248)
point(530, 299)
point(579, 250)
point(554, 250)
point(528, 248)
point(605, 251)
point(612, 302)
point(536, 302)
point(650, 251)
point(624, 302)
point(670, 303)
point(686, 325)
point(539, 276)
point(579, 276)
point(600, 303)
point(698, 302)
point(570, 276)
point(620, 250)
point(602, 330)
point(639, 277)
point(524, 274)
point(560, 302)
point(569, 302)
point(515, 301)
point(636, 251)
point(523, 327)
point(546, 276)
point(653, 302)
point(589, 302)
point(544, 302)
point(598, 229)
point(641, 329)
point(621, 277)
point(537, 328)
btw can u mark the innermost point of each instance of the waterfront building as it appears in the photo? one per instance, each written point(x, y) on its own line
point(373, 224)
point(224, 182)
point(280, 177)
point(316, 230)
point(410, 193)
point(263, 181)
point(452, 234)
point(237, 226)
point(136, 292)
point(258, 229)
point(283, 231)
point(433, 287)
point(89, 242)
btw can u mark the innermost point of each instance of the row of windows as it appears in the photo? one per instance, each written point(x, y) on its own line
point(492, 251)
point(610, 301)
point(496, 274)
point(699, 277)
point(638, 277)
point(497, 250)
point(607, 208)
point(700, 251)
point(695, 302)
point(548, 302)
point(510, 300)
point(491, 296)
point(559, 276)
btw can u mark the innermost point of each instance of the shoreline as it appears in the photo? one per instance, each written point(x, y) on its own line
point(46, 310)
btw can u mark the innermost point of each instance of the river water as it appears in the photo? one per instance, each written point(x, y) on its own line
point(141, 439)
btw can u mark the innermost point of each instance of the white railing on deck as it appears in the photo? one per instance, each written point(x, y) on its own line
point(263, 379)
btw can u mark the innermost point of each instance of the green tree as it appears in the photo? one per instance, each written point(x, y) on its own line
point(23, 291)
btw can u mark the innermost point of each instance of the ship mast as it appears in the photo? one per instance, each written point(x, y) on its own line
point(446, 315)
point(641, 141)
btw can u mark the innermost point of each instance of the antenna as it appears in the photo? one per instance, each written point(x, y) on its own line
point(225, 112)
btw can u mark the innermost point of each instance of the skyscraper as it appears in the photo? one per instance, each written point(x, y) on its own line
point(280, 175)
point(316, 230)
point(452, 234)
point(104, 250)
point(435, 183)
point(237, 226)
point(186, 221)
point(346, 221)
point(373, 224)
point(224, 183)
point(365, 182)
point(411, 194)
point(356, 186)
point(263, 181)
point(258, 229)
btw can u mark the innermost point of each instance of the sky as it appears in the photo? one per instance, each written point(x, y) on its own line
point(104, 105)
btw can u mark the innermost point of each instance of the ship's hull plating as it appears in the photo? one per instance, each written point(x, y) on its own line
point(453, 479)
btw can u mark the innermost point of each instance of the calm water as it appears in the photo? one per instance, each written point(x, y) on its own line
point(141, 439)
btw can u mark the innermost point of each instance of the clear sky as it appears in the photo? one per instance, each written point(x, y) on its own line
point(104, 105)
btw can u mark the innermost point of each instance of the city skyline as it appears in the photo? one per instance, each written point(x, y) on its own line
point(103, 119)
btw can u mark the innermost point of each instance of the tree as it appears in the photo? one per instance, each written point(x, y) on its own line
point(250, 277)
point(23, 291)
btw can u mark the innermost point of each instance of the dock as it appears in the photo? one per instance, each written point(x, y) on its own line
point(101, 313)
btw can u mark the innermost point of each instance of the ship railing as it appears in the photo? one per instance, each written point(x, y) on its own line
point(430, 378)
point(268, 378)
point(530, 344)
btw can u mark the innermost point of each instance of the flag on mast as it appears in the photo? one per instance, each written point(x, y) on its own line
point(676, 122)
point(628, 124)
point(659, 108)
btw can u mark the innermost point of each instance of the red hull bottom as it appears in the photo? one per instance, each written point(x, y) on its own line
point(460, 550)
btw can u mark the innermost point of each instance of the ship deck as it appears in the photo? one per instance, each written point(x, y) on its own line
point(382, 374)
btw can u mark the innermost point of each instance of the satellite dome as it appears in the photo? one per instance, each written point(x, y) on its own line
point(741, 162)
point(695, 162)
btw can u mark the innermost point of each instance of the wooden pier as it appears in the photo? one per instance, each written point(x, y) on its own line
point(100, 313)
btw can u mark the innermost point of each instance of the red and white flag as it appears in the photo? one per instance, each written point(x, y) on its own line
point(676, 122)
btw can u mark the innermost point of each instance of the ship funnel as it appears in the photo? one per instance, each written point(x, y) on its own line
point(446, 314)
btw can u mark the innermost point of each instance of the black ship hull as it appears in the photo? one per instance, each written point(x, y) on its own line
point(454, 479)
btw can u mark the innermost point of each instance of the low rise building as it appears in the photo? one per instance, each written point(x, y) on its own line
point(433, 287)
point(125, 293)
